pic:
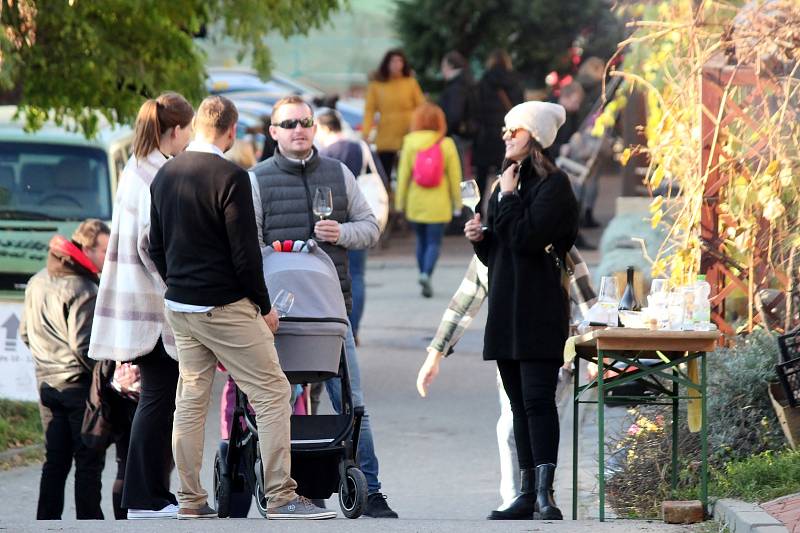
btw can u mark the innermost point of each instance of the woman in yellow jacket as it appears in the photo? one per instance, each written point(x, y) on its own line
point(428, 208)
point(394, 93)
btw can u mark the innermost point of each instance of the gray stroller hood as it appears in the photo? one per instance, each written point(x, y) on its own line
point(310, 338)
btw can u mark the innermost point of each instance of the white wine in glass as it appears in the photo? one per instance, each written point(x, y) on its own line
point(470, 194)
point(283, 302)
point(323, 202)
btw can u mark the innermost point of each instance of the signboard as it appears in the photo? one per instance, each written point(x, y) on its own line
point(17, 377)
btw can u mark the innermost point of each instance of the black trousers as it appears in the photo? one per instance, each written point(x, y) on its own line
point(150, 450)
point(531, 390)
point(62, 412)
point(388, 159)
point(123, 411)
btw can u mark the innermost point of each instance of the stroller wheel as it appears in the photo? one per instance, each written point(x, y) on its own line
point(222, 488)
point(353, 493)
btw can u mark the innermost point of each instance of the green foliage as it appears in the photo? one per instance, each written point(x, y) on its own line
point(71, 59)
point(537, 33)
point(742, 421)
point(20, 424)
point(761, 478)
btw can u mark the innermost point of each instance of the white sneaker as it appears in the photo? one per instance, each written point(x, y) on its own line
point(170, 511)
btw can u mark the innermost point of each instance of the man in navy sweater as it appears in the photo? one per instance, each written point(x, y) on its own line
point(204, 243)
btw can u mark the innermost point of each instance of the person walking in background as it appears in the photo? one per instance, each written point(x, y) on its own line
point(570, 98)
point(129, 323)
point(283, 197)
point(394, 93)
point(498, 91)
point(204, 243)
point(56, 325)
point(458, 100)
point(428, 186)
point(532, 220)
point(336, 145)
point(590, 77)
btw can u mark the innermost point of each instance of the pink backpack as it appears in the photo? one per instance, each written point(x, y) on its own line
point(429, 166)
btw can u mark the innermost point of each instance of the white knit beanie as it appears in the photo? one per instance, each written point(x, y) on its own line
point(541, 119)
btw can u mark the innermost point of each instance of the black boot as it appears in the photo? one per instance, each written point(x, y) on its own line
point(523, 507)
point(545, 504)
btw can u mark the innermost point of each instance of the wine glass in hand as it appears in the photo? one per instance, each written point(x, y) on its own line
point(323, 202)
point(283, 302)
point(470, 194)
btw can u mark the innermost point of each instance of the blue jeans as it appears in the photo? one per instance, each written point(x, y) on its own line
point(366, 448)
point(429, 243)
point(358, 264)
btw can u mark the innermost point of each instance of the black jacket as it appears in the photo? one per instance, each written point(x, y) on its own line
point(489, 148)
point(203, 236)
point(456, 104)
point(528, 307)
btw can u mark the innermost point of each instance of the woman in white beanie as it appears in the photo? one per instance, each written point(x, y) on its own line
point(532, 221)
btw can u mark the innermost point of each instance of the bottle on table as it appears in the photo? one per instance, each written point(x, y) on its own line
point(629, 301)
point(701, 310)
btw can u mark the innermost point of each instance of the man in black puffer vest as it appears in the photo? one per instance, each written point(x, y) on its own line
point(283, 192)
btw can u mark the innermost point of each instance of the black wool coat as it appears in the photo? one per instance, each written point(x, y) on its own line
point(528, 307)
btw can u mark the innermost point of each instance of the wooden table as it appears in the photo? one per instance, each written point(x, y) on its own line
point(654, 358)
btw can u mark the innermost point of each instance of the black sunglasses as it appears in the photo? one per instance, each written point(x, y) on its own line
point(292, 124)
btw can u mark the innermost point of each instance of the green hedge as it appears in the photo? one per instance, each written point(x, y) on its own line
point(20, 424)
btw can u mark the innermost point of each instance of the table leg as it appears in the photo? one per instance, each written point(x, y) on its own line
point(601, 393)
point(703, 435)
point(575, 429)
point(675, 431)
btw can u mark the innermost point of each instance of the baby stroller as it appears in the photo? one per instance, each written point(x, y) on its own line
point(310, 345)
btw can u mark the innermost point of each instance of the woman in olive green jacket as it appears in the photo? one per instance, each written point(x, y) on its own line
point(428, 206)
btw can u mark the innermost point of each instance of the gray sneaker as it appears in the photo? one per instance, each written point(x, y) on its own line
point(300, 508)
point(203, 513)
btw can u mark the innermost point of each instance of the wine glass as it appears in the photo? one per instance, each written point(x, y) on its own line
point(658, 286)
point(470, 194)
point(283, 302)
point(323, 202)
point(609, 292)
point(608, 299)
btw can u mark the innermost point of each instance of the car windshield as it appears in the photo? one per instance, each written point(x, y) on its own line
point(53, 182)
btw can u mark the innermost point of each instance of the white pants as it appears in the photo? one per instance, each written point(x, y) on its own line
point(509, 464)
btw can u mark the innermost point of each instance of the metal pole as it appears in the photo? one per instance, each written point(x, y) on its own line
point(703, 434)
point(675, 428)
point(601, 435)
point(575, 429)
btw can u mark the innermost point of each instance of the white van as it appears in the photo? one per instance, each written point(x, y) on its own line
point(50, 180)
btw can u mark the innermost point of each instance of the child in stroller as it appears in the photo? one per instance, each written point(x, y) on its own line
point(310, 345)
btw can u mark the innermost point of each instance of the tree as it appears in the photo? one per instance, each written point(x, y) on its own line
point(69, 59)
point(537, 33)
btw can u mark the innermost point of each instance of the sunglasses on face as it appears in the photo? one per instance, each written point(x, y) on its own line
point(292, 123)
point(511, 132)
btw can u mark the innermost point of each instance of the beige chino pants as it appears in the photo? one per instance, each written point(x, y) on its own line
point(236, 336)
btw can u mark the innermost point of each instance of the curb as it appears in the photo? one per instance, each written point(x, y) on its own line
point(743, 517)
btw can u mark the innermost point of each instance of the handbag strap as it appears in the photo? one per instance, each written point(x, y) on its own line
point(367, 160)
